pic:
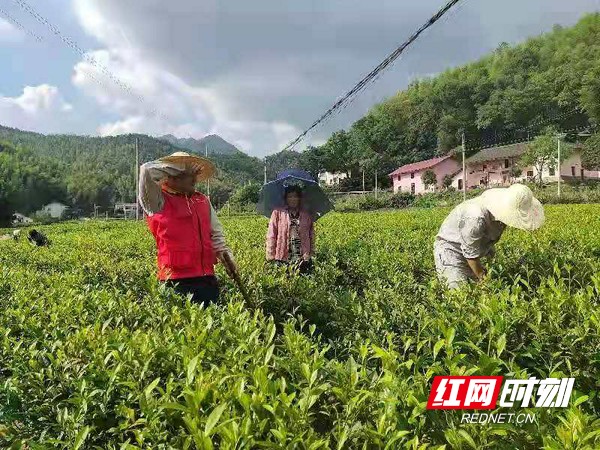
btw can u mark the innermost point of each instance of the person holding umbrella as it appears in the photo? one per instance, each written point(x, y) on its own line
point(293, 202)
point(472, 229)
point(188, 234)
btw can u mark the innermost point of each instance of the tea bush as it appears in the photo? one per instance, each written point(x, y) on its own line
point(94, 353)
point(573, 193)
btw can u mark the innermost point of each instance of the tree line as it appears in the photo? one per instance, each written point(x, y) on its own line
point(83, 171)
point(510, 95)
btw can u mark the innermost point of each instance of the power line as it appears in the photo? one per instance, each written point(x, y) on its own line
point(539, 122)
point(71, 43)
point(373, 74)
point(547, 120)
point(17, 24)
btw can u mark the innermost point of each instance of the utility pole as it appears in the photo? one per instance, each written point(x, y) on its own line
point(464, 169)
point(265, 171)
point(363, 181)
point(375, 183)
point(207, 181)
point(558, 164)
point(137, 179)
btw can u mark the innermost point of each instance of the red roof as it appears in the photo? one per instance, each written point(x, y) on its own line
point(421, 165)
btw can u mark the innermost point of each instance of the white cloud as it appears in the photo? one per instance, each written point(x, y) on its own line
point(8, 32)
point(131, 86)
point(149, 125)
point(257, 72)
point(162, 103)
point(225, 105)
point(259, 137)
point(40, 108)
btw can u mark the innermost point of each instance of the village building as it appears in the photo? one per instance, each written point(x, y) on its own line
point(54, 210)
point(126, 210)
point(408, 178)
point(20, 219)
point(332, 178)
point(499, 166)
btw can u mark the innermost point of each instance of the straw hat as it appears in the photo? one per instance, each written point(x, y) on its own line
point(514, 206)
point(203, 168)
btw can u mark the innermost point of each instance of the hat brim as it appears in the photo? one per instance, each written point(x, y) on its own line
point(203, 168)
point(528, 220)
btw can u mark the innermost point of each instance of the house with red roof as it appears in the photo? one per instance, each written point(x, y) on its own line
point(408, 178)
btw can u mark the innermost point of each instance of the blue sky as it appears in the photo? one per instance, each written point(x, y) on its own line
point(256, 73)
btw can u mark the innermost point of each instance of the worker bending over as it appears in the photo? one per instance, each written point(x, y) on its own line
point(471, 230)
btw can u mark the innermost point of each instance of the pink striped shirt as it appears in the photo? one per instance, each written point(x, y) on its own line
point(278, 235)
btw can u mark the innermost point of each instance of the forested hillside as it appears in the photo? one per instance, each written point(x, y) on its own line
point(27, 180)
point(86, 170)
point(509, 95)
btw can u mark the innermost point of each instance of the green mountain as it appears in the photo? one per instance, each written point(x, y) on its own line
point(101, 170)
point(211, 144)
point(509, 95)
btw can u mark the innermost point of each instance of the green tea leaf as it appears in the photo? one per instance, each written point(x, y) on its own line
point(213, 418)
point(81, 437)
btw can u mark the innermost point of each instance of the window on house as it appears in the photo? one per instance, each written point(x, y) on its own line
point(506, 163)
point(582, 174)
point(484, 167)
point(399, 177)
point(412, 188)
point(551, 171)
point(530, 173)
point(573, 171)
point(412, 174)
point(460, 184)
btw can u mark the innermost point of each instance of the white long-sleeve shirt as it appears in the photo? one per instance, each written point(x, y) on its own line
point(152, 200)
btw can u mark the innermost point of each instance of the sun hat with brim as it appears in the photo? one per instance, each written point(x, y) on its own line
point(514, 206)
point(202, 167)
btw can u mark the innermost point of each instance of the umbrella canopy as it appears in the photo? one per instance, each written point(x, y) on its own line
point(314, 200)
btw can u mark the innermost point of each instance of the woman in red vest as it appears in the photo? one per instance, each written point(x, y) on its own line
point(188, 234)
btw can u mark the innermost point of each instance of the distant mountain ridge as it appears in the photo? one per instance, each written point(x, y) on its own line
point(213, 144)
point(95, 170)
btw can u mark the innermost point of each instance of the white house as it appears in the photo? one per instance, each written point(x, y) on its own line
point(20, 219)
point(332, 178)
point(55, 210)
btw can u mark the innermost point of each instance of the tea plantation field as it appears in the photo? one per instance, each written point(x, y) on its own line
point(94, 354)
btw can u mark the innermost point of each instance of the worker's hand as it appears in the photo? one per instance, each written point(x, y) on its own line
point(482, 276)
point(477, 268)
point(169, 169)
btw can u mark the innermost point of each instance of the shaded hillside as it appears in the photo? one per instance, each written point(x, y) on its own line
point(101, 170)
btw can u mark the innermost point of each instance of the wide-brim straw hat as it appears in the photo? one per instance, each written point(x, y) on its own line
point(514, 206)
point(202, 167)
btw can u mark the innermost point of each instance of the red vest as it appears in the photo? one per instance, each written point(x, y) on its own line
point(183, 237)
